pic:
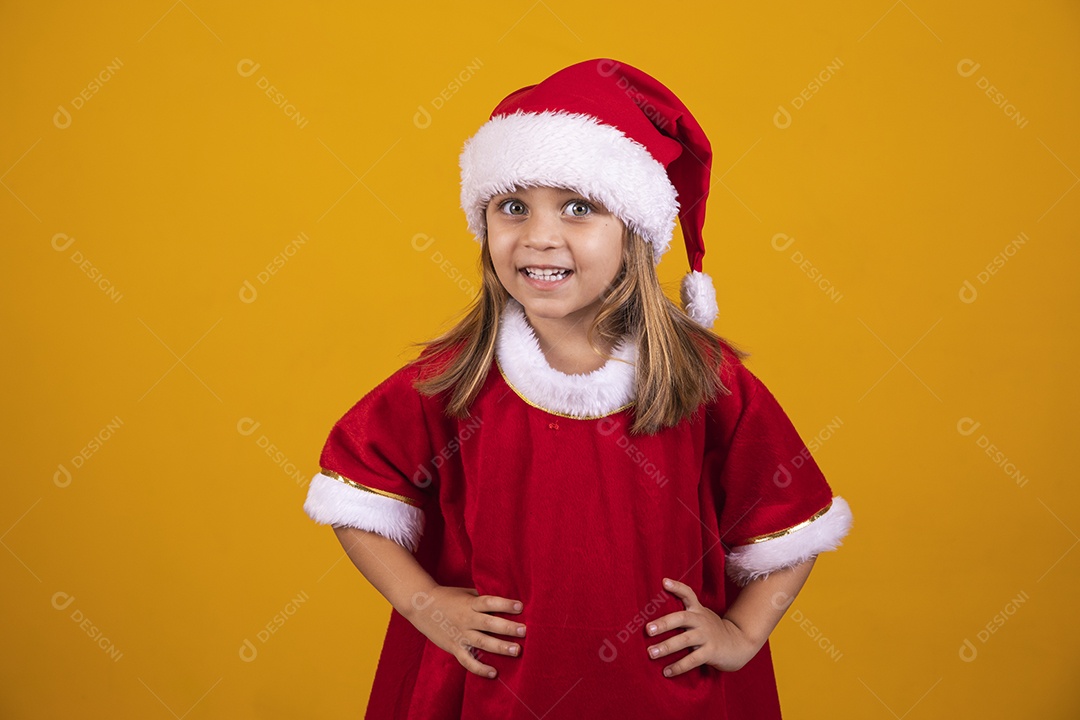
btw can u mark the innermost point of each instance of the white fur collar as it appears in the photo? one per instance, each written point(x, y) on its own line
point(590, 395)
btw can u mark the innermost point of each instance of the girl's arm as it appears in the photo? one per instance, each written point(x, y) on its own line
point(388, 566)
point(729, 642)
point(763, 602)
point(455, 619)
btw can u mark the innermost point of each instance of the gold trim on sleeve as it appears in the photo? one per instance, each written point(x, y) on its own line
point(787, 531)
point(358, 486)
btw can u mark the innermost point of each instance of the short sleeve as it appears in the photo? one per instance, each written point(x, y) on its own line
point(373, 467)
point(777, 508)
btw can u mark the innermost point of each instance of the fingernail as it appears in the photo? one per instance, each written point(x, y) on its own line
point(652, 629)
point(667, 583)
point(654, 652)
point(513, 649)
point(667, 672)
point(491, 673)
point(521, 630)
point(517, 607)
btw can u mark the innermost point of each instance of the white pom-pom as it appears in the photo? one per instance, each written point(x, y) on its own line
point(699, 298)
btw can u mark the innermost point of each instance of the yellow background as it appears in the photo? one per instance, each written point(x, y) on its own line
point(181, 537)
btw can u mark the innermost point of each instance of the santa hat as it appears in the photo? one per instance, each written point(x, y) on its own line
point(617, 136)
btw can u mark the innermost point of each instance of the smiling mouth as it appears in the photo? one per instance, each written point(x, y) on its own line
point(546, 274)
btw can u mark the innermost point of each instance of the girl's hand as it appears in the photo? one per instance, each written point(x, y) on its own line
point(715, 641)
point(457, 620)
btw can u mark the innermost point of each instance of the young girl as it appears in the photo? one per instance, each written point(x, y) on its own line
point(579, 502)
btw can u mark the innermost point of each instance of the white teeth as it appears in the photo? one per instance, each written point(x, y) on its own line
point(546, 274)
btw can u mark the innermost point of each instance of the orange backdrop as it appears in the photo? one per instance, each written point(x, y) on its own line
point(226, 225)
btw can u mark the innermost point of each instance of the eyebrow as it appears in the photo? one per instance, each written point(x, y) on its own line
point(558, 190)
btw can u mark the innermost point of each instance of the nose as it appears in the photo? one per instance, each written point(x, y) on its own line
point(543, 230)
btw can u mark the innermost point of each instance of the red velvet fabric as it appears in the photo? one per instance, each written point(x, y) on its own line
point(580, 521)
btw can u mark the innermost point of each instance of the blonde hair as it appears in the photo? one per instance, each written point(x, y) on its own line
point(678, 361)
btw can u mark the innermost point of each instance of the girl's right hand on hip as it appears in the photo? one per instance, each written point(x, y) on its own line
point(458, 621)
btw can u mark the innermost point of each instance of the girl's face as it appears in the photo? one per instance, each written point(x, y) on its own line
point(554, 251)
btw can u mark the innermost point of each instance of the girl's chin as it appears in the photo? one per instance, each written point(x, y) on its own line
point(549, 308)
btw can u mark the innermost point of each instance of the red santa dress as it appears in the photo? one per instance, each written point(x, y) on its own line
point(543, 495)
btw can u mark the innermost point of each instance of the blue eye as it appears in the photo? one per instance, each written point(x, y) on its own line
point(512, 207)
point(579, 208)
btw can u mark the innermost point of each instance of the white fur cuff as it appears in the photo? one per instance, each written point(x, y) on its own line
point(749, 562)
point(332, 502)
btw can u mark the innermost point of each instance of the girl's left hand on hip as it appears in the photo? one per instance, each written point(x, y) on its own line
point(715, 641)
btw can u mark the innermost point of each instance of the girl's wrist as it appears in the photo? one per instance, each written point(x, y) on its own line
point(751, 638)
point(416, 600)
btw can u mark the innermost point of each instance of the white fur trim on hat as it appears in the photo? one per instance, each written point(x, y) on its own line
point(748, 562)
point(332, 502)
point(589, 395)
point(699, 298)
point(571, 150)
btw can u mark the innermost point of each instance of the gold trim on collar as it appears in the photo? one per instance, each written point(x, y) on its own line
point(787, 531)
point(553, 412)
point(358, 486)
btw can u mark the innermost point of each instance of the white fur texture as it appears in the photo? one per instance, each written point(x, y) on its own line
point(699, 298)
point(332, 502)
point(748, 562)
point(572, 150)
point(595, 394)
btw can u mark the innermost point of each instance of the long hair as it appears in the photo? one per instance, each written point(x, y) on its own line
point(678, 360)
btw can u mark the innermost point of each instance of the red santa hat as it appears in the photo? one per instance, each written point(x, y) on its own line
point(616, 135)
